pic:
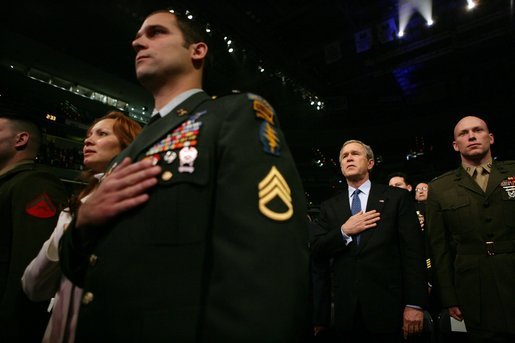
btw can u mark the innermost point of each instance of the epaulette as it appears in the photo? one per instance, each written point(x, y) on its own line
point(232, 92)
point(449, 173)
point(504, 166)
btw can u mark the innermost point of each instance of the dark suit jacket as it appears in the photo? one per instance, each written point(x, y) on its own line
point(30, 202)
point(320, 286)
point(386, 271)
point(460, 219)
point(200, 261)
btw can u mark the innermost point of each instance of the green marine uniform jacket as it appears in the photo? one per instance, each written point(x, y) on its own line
point(219, 252)
point(472, 236)
point(30, 202)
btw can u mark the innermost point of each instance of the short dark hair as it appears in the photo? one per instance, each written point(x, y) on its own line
point(21, 124)
point(400, 174)
point(192, 29)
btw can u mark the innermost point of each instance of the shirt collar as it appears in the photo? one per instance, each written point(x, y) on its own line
point(175, 101)
point(364, 188)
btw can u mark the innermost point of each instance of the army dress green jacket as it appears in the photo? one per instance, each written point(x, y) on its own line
point(219, 252)
point(472, 235)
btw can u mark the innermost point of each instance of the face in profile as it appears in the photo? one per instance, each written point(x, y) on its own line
point(160, 48)
point(398, 181)
point(421, 191)
point(101, 145)
point(472, 139)
point(354, 163)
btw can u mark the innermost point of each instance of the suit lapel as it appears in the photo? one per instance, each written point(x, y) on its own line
point(158, 129)
point(342, 207)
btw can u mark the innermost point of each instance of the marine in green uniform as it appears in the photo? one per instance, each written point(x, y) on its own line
point(30, 201)
point(471, 223)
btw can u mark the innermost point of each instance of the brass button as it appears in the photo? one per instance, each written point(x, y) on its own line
point(167, 175)
point(87, 298)
point(93, 259)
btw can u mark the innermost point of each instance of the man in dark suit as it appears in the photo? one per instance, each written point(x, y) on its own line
point(30, 200)
point(380, 282)
point(471, 222)
point(205, 237)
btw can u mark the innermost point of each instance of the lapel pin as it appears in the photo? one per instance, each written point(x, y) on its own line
point(181, 111)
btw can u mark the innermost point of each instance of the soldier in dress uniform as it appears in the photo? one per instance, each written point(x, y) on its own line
point(471, 222)
point(204, 237)
point(30, 201)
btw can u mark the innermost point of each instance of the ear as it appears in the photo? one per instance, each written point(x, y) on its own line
point(409, 188)
point(370, 164)
point(455, 146)
point(22, 140)
point(491, 138)
point(198, 51)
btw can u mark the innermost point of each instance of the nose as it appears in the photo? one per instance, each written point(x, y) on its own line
point(88, 140)
point(137, 44)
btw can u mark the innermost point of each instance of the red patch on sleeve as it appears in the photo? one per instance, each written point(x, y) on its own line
point(41, 207)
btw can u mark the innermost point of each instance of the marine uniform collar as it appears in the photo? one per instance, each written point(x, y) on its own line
point(470, 168)
point(16, 165)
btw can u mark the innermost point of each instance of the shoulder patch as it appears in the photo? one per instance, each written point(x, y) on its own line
point(262, 108)
point(41, 207)
point(270, 139)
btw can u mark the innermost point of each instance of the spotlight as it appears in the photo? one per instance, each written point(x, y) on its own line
point(471, 4)
point(430, 22)
point(400, 34)
point(231, 50)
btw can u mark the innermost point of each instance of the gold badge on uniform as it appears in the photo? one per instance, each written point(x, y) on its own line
point(167, 175)
point(274, 187)
point(181, 111)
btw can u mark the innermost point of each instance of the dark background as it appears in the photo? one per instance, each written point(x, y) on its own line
point(401, 96)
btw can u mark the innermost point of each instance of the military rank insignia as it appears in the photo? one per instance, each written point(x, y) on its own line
point(274, 194)
point(41, 207)
point(185, 138)
point(268, 135)
point(509, 186)
point(263, 109)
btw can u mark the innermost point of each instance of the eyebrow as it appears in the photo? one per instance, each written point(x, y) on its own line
point(147, 28)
